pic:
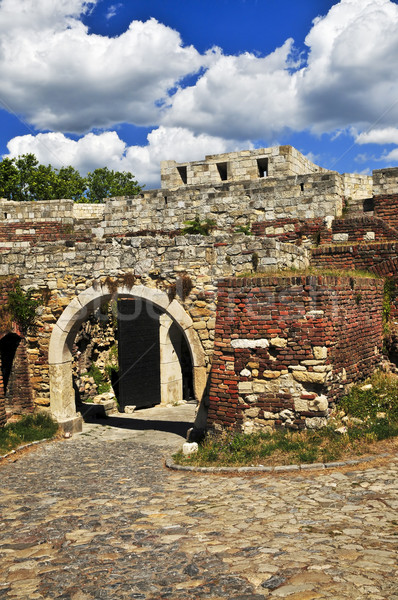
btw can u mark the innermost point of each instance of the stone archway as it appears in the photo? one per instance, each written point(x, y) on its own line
point(62, 396)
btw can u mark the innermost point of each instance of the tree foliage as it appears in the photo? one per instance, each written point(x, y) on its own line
point(23, 178)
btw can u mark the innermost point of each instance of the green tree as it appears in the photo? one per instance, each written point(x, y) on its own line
point(9, 179)
point(23, 178)
point(106, 183)
point(70, 184)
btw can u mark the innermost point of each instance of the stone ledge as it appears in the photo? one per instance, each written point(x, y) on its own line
point(12, 452)
point(170, 464)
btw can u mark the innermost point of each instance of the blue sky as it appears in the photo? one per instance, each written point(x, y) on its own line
point(131, 82)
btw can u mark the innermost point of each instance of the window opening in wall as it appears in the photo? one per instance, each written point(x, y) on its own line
point(302, 187)
point(165, 199)
point(262, 166)
point(223, 170)
point(368, 205)
point(183, 174)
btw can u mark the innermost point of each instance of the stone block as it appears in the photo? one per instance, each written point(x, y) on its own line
point(309, 377)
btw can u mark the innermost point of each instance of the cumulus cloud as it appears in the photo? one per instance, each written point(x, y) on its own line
point(350, 77)
point(391, 157)
point(246, 95)
point(63, 78)
point(388, 135)
point(66, 79)
point(107, 149)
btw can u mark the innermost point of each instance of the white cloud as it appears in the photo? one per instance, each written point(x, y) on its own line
point(388, 135)
point(352, 72)
point(69, 80)
point(239, 96)
point(60, 77)
point(112, 10)
point(107, 149)
point(350, 79)
point(391, 157)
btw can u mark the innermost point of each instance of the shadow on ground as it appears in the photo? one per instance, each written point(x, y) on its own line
point(135, 424)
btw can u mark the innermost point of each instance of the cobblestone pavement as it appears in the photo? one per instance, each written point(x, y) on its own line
point(99, 516)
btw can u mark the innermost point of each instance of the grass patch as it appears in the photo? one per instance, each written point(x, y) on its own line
point(29, 428)
point(369, 414)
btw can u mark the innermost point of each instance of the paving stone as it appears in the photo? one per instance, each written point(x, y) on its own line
point(99, 516)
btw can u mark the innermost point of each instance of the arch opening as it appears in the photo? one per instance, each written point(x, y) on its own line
point(180, 362)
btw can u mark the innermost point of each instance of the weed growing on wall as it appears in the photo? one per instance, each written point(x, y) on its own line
point(198, 227)
point(99, 377)
point(389, 295)
point(255, 261)
point(22, 307)
point(246, 229)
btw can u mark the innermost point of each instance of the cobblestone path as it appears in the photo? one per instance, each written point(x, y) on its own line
point(98, 517)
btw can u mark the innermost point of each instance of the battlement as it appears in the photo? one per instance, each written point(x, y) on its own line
point(277, 162)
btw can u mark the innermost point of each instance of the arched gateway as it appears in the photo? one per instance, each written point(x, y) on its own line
point(62, 396)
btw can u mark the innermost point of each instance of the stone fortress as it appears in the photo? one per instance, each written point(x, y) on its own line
point(239, 315)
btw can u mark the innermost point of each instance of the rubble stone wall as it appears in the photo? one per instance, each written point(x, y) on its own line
point(65, 270)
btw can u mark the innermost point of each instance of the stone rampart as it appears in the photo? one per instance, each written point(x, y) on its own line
point(276, 162)
point(64, 269)
point(293, 360)
point(229, 204)
point(287, 347)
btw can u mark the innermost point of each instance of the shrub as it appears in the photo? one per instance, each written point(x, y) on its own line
point(198, 227)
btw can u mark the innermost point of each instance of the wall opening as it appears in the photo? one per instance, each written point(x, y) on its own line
point(180, 368)
point(8, 348)
point(368, 205)
point(223, 170)
point(262, 166)
point(182, 171)
point(139, 353)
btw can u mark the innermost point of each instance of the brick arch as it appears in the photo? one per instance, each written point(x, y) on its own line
point(62, 397)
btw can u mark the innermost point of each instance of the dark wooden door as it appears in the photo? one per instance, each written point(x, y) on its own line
point(139, 354)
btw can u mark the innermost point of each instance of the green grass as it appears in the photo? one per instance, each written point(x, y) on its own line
point(368, 416)
point(29, 428)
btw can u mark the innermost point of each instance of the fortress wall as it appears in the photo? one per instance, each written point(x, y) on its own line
point(67, 268)
point(278, 161)
point(88, 211)
point(386, 208)
point(229, 204)
point(360, 230)
point(357, 187)
point(286, 347)
point(43, 211)
point(385, 181)
point(362, 257)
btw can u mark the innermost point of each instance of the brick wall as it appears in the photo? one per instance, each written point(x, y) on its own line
point(359, 229)
point(18, 397)
point(386, 208)
point(285, 348)
point(14, 363)
point(362, 257)
point(289, 230)
point(36, 232)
